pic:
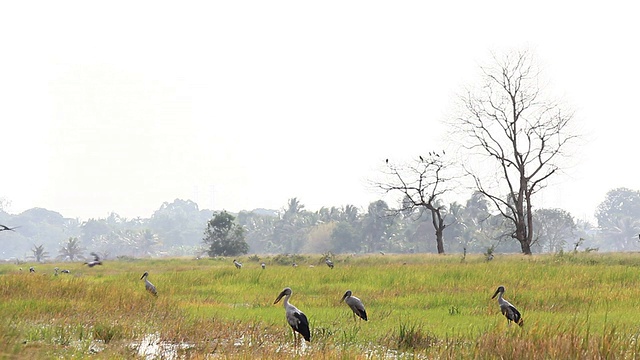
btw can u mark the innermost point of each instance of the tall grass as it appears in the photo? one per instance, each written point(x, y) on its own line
point(575, 306)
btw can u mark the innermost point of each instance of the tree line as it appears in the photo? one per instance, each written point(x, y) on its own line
point(180, 228)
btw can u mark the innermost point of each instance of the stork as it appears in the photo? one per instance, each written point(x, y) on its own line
point(296, 318)
point(65, 271)
point(329, 263)
point(6, 228)
point(508, 310)
point(32, 269)
point(263, 266)
point(148, 285)
point(237, 264)
point(355, 304)
point(96, 261)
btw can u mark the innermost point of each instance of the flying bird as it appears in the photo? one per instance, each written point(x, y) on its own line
point(148, 285)
point(329, 263)
point(355, 304)
point(96, 260)
point(237, 264)
point(508, 310)
point(6, 228)
point(296, 318)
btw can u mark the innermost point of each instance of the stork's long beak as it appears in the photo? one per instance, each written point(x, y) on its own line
point(495, 294)
point(143, 275)
point(343, 297)
point(279, 297)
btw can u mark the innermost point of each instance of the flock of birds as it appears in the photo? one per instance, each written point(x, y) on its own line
point(300, 324)
point(298, 320)
point(295, 317)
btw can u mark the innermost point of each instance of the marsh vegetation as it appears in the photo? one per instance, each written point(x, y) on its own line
point(575, 306)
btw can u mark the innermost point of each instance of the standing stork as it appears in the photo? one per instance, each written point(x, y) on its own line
point(237, 264)
point(263, 266)
point(329, 263)
point(355, 304)
point(508, 310)
point(148, 285)
point(296, 318)
point(96, 260)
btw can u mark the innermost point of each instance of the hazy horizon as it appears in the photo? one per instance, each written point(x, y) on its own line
point(120, 107)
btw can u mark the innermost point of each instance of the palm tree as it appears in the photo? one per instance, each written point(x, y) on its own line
point(71, 250)
point(39, 253)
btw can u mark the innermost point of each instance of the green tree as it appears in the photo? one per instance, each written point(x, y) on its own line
point(376, 226)
point(554, 229)
point(71, 250)
point(224, 237)
point(515, 139)
point(618, 218)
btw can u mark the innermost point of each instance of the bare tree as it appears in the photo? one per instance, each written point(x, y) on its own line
point(421, 183)
point(522, 134)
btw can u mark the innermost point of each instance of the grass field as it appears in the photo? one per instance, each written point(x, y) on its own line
point(575, 306)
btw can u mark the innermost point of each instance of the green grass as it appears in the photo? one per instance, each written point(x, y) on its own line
point(582, 306)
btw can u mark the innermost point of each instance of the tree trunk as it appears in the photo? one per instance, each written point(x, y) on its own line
point(525, 245)
point(439, 241)
point(438, 224)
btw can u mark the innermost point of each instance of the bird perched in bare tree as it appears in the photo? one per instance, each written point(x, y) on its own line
point(6, 228)
point(355, 304)
point(148, 285)
point(96, 260)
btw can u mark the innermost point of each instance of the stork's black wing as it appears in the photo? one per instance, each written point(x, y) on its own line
point(303, 326)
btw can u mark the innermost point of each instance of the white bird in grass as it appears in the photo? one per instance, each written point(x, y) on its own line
point(356, 305)
point(237, 264)
point(296, 318)
point(148, 285)
point(508, 310)
point(263, 266)
point(329, 263)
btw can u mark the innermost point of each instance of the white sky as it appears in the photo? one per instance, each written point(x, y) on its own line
point(123, 105)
